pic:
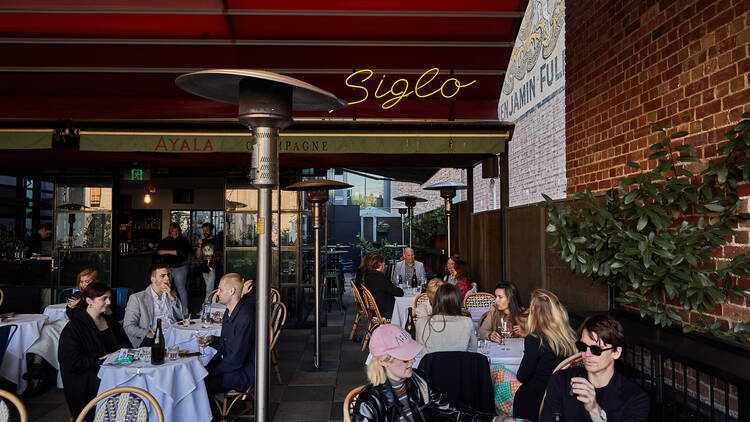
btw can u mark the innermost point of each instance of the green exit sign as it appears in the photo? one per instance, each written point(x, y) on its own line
point(136, 174)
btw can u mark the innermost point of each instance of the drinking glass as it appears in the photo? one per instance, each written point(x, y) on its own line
point(200, 334)
point(173, 352)
point(145, 354)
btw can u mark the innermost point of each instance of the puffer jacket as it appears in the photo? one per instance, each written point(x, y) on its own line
point(379, 403)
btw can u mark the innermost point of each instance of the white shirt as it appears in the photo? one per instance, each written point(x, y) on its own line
point(161, 310)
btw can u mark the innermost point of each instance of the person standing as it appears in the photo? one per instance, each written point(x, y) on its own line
point(146, 307)
point(175, 250)
point(85, 343)
point(209, 251)
point(407, 267)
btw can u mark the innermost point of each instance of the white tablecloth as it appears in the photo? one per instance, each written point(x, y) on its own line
point(398, 317)
point(55, 312)
point(220, 307)
point(186, 338)
point(14, 364)
point(509, 354)
point(177, 385)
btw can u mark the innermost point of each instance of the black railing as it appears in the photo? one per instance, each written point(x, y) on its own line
point(688, 377)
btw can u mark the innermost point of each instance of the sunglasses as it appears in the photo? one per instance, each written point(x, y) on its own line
point(595, 350)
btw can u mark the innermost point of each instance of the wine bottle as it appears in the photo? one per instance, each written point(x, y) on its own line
point(157, 349)
point(410, 327)
point(414, 279)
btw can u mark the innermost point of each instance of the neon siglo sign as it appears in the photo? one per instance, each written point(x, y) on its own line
point(401, 89)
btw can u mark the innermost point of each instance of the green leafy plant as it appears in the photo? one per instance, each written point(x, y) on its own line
point(653, 237)
point(367, 246)
point(427, 227)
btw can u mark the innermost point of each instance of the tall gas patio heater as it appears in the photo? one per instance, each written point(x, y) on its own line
point(447, 192)
point(266, 101)
point(411, 202)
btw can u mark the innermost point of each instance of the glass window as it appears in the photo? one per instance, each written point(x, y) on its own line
point(243, 262)
point(288, 267)
point(83, 230)
point(191, 222)
point(241, 229)
point(288, 229)
point(84, 198)
point(72, 262)
point(241, 199)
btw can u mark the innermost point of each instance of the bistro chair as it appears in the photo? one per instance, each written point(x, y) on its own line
point(479, 300)
point(569, 362)
point(212, 297)
point(64, 294)
point(278, 318)
point(275, 296)
point(123, 404)
point(462, 376)
point(121, 295)
point(375, 319)
point(2, 297)
point(6, 397)
point(350, 401)
point(359, 308)
point(422, 298)
point(230, 398)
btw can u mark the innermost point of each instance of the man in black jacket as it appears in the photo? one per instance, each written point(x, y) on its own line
point(233, 366)
point(175, 251)
point(596, 392)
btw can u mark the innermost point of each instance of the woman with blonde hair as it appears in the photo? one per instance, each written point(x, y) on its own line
point(425, 308)
point(399, 392)
point(549, 341)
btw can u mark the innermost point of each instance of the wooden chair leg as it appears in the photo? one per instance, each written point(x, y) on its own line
point(355, 326)
point(275, 362)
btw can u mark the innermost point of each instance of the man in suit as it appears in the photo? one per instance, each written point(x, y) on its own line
point(407, 267)
point(144, 308)
point(233, 366)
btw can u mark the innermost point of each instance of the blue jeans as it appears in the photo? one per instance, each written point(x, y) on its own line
point(178, 276)
point(210, 279)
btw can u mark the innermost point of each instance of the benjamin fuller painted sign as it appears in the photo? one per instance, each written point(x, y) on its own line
point(537, 65)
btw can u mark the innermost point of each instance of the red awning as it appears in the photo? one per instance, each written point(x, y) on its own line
point(83, 60)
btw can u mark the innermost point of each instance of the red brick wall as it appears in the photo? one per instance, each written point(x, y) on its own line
point(684, 64)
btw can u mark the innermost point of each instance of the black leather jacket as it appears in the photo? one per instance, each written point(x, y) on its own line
point(379, 403)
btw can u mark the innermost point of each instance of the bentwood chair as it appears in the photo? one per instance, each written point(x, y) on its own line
point(278, 318)
point(230, 398)
point(212, 297)
point(5, 397)
point(569, 362)
point(350, 401)
point(376, 319)
point(422, 298)
point(274, 296)
point(479, 300)
point(359, 308)
point(2, 297)
point(130, 398)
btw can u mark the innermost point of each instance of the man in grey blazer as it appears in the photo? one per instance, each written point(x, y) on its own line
point(408, 266)
point(144, 308)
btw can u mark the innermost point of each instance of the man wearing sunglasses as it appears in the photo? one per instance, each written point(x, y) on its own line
point(596, 392)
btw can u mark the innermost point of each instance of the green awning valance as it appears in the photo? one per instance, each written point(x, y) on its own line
point(26, 138)
point(374, 142)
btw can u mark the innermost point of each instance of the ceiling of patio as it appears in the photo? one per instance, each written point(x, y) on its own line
point(116, 62)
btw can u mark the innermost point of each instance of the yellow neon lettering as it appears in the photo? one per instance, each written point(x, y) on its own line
point(367, 94)
point(397, 96)
point(458, 87)
point(382, 78)
point(416, 88)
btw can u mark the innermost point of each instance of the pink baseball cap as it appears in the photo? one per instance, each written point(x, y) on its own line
point(389, 339)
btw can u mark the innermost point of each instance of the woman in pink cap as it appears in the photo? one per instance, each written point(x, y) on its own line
point(398, 392)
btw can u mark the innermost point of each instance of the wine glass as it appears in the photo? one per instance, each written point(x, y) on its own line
point(199, 334)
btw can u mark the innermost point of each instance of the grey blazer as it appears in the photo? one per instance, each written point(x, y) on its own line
point(139, 315)
point(400, 270)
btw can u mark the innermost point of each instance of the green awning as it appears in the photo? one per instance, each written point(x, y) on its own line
point(290, 142)
point(26, 138)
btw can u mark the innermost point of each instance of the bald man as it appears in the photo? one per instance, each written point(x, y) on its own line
point(406, 268)
point(233, 366)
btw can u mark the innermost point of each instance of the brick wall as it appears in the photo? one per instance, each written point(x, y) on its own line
point(684, 64)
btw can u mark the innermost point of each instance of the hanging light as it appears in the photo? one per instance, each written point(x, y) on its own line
point(147, 197)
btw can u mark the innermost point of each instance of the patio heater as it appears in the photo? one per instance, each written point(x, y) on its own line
point(447, 192)
point(316, 193)
point(402, 210)
point(266, 101)
point(411, 202)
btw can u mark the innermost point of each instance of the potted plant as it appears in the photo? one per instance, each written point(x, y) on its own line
point(654, 237)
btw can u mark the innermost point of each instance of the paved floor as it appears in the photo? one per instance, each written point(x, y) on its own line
point(306, 394)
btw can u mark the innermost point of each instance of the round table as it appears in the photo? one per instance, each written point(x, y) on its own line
point(55, 312)
point(176, 385)
point(186, 337)
point(218, 307)
point(398, 316)
point(14, 364)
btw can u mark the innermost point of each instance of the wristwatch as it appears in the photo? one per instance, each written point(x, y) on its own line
point(602, 417)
